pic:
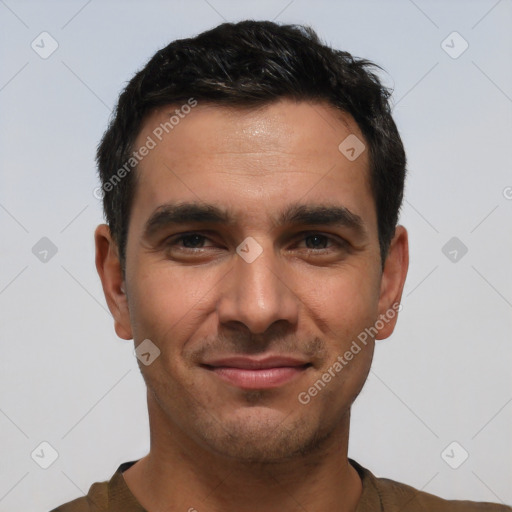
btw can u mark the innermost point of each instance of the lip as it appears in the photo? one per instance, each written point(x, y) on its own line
point(257, 373)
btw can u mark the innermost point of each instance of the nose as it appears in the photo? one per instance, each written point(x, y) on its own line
point(258, 294)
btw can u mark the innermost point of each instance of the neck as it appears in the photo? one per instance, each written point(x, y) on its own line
point(177, 474)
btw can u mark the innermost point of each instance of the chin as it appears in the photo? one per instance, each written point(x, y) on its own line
point(262, 435)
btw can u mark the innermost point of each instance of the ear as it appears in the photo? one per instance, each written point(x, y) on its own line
point(109, 270)
point(392, 282)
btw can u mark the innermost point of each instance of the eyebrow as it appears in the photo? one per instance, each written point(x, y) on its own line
point(296, 214)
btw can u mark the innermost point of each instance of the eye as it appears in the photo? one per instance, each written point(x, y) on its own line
point(321, 242)
point(198, 244)
point(192, 241)
point(317, 241)
point(187, 241)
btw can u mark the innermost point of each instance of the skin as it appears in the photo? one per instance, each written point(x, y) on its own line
point(216, 446)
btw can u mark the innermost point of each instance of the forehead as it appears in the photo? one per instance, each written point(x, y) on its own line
point(309, 129)
point(252, 159)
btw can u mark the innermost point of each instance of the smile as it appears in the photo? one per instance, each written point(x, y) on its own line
point(249, 373)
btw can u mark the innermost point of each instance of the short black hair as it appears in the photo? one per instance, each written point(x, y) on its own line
point(249, 64)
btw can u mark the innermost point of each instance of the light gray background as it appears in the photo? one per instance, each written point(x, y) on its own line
point(443, 376)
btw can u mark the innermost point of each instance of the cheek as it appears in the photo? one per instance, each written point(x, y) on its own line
point(344, 306)
point(169, 303)
point(345, 301)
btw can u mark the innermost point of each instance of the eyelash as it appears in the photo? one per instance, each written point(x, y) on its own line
point(175, 239)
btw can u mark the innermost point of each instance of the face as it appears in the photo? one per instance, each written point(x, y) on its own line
point(253, 265)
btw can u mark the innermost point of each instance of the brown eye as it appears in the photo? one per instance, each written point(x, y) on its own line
point(317, 241)
point(188, 241)
point(192, 241)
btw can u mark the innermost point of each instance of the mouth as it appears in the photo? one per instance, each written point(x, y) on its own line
point(253, 373)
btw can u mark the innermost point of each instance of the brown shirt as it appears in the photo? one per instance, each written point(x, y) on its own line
point(379, 495)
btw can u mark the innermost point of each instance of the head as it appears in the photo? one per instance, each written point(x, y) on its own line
point(239, 136)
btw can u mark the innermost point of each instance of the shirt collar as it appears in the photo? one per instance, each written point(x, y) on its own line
point(120, 493)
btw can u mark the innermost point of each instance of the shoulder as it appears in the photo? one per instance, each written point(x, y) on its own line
point(104, 496)
point(95, 501)
point(396, 496)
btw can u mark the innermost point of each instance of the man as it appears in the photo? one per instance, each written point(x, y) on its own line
point(252, 181)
